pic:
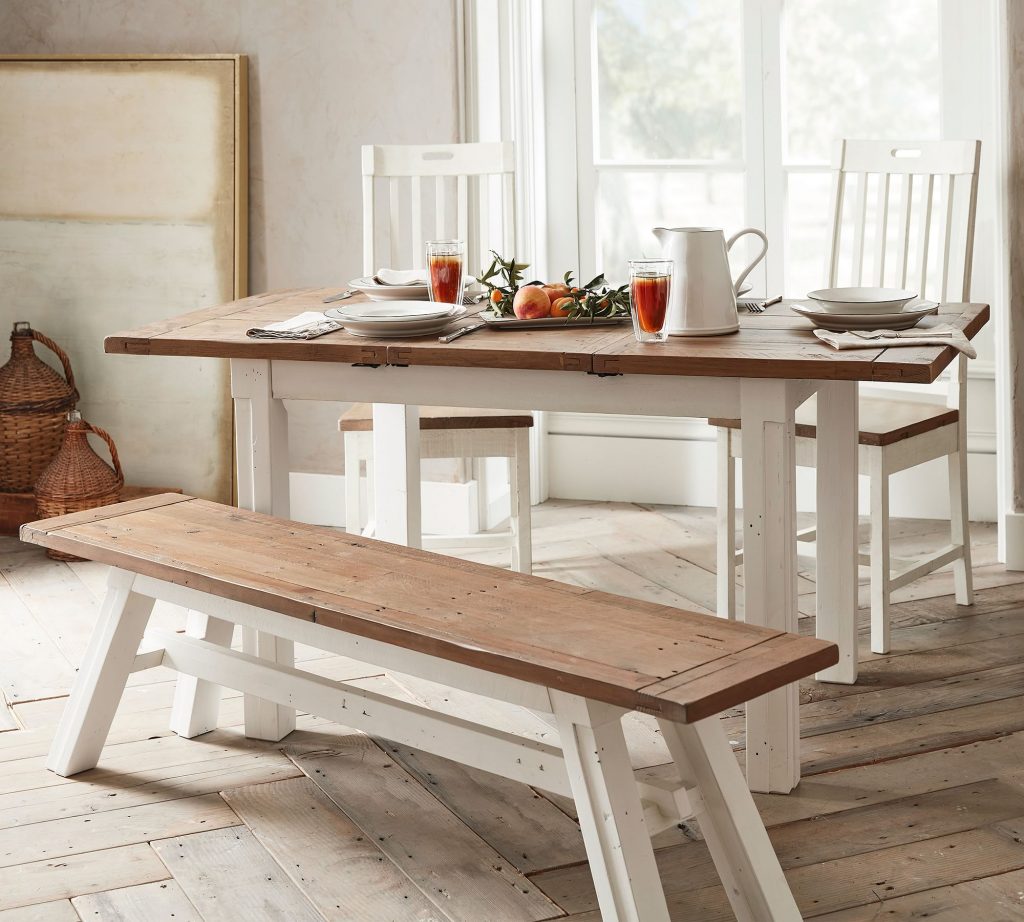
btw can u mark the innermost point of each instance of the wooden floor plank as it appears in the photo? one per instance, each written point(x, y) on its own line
point(228, 875)
point(161, 901)
point(59, 838)
point(992, 899)
point(57, 911)
point(467, 877)
point(526, 829)
point(332, 861)
point(74, 875)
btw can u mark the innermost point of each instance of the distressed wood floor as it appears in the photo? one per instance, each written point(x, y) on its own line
point(912, 804)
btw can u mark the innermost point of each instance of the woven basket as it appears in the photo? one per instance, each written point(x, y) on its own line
point(34, 401)
point(78, 478)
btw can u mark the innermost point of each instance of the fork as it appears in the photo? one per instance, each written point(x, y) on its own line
point(896, 334)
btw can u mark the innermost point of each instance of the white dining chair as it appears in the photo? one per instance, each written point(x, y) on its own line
point(439, 191)
point(908, 207)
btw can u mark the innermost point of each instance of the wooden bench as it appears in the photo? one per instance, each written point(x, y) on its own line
point(582, 658)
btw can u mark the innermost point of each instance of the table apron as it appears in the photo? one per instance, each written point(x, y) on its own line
point(509, 389)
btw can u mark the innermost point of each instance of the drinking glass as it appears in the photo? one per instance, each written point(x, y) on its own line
point(445, 259)
point(649, 283)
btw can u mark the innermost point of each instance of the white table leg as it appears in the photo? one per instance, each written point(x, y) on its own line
point(837, 525)
point(261, 449)
point(396, 485)
point(769, 558)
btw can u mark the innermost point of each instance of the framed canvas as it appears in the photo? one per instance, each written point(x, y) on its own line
point(123, 201)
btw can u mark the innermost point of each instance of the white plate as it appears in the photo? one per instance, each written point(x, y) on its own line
point(392, 311)
point(862, 300)
point(840, 323)
point(398, 329)
point(377, 292)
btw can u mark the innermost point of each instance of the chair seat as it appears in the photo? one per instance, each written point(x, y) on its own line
point(360, 418)
point(882, 422)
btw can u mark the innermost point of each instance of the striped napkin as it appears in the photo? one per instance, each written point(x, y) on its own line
point(942, 335)
point(303, 326)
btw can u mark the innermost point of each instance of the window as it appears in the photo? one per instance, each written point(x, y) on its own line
point(724, 112)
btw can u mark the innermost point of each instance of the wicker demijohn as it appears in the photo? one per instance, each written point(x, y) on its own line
point(34, 401)
point(78, 478)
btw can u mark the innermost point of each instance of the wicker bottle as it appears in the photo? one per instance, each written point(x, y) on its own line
point(78, 478)
point(34, 402)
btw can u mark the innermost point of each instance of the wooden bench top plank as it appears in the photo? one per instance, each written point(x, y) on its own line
point(770, 345)
point(596, 645)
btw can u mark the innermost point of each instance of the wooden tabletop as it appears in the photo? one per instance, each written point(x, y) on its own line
point(665, 661)
point(776, 344)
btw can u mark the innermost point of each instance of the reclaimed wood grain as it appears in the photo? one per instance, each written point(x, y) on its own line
point(227, 875)
point(161, 901)
point(338, 868)
point(56, 911)
point(468, 878)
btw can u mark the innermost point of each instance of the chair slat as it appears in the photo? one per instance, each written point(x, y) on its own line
point(947, 234)
point(926, 228)
point(480, 240)
point(462, 186)
point(369, 203)
point(836, 211)
point(903, 243)
point(882, 224)
point(861, 221)
point(508, 230)
point(416, 220)
point(440, 207)
point(395, 222)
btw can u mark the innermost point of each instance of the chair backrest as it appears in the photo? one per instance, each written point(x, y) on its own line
point(437, 191)
point(910, 207)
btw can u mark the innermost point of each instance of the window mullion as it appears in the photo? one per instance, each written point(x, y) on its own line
point(772, 150)
point(753, 132)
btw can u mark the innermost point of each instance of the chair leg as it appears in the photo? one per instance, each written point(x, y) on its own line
point(611, 816)
point(960, 529)
point(371, 497)
point(101, 679)
point(353, 506)
point(196, 701)
point(726, 527)
point(880, 554)
point(732, 827)
point(519, 494)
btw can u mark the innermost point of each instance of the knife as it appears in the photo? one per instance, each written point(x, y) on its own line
point(461, 331)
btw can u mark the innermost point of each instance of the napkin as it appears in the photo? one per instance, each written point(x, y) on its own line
point(942, 335)
point(303, 326)
point(401, 277)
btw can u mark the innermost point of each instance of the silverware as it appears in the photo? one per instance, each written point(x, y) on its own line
point(461, 331)
point(347, 293)
point(757, 305)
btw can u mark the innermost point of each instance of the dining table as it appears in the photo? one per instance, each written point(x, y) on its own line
point(759, 375)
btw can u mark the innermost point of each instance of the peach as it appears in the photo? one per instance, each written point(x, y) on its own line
point(561, 307)
point(531, 302)
point(556, 290)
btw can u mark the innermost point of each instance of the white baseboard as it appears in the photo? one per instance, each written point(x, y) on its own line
point(681, 471)
point(448, 508)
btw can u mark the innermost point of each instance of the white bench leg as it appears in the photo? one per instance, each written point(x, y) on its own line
point(519, 493)
point(881, 560)
point(730, 823)
point(101, 678)
point(611, 815)
point(196, 701)
point(726, 531)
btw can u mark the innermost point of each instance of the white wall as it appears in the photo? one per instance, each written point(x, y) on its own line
point(326, 76)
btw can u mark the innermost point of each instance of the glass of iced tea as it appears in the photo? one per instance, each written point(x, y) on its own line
point(444, 264)
point(649, 284)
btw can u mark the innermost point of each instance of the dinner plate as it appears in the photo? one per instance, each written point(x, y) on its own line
point(393, 311)
point(840, 323)
point(377, 292)
point(397, 329)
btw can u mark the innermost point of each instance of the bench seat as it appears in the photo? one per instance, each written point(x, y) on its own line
point(583, 658)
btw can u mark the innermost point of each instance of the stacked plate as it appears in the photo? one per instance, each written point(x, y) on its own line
point(863, 308)
point(396, 319)
point(397, 285)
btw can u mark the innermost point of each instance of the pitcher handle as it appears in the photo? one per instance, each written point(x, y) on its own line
point(756, 260)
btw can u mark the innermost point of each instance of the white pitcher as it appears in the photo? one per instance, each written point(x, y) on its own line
point(702, 300)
